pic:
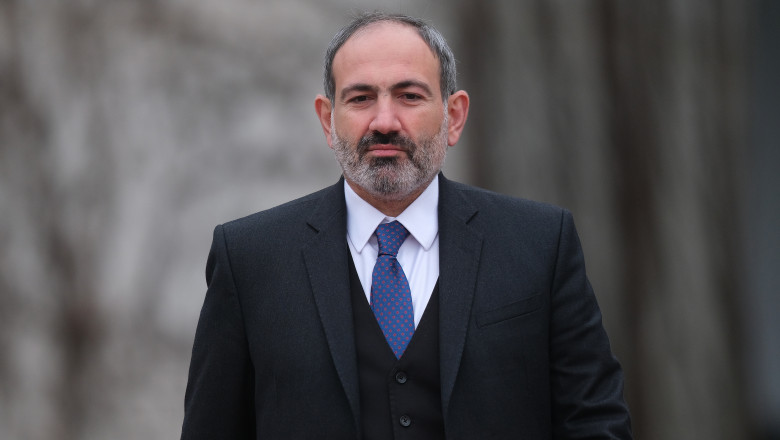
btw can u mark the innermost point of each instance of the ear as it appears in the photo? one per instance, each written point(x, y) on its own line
point(457, 112)
point(323, 107)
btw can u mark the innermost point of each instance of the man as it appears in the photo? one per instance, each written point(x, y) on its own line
point(398, 304)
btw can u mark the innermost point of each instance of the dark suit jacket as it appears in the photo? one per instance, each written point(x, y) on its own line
point(522, 348)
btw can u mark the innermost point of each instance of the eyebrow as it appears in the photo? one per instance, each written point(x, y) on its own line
point(412, 83)
point(357, 88)
point(361, 87)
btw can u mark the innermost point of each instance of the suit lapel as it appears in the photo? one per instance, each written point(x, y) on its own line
point(459, 252)
point(326, 257)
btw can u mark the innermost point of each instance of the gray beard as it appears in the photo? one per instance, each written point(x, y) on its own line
point(391, 178)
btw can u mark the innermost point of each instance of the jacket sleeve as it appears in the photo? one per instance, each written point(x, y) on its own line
point(218, 403)
point(585, 378)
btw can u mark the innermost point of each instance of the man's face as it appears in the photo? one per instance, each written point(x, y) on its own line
point(388, 121)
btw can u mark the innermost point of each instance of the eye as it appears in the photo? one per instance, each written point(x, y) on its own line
point(411, 97)
point(358, 99)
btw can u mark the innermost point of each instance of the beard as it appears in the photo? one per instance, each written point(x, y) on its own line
point(391, 178)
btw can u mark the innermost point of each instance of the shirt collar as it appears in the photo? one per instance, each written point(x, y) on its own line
point(420, 218)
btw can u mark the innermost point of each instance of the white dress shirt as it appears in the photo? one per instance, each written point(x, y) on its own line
point(419, 253)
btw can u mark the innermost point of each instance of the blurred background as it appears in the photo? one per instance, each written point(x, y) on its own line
point(129, 129)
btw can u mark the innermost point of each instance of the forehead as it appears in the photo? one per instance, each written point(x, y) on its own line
point(385, 51)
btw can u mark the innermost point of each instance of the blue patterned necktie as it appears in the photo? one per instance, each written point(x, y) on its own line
point(391, 299)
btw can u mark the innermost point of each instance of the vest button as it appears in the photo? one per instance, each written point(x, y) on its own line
point(400, 377)
point(405, 420)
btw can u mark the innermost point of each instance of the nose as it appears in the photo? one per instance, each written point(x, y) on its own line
point(386, 117)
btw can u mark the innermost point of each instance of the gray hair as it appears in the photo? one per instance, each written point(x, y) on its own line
point(432, 37)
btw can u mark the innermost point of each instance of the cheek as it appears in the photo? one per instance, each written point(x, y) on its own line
point(430, 126)
point(350, 125)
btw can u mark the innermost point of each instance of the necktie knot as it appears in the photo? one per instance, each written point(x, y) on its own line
point(390, 236)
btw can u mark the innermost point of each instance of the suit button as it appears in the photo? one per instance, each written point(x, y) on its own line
point(400, 377)
point(405, 420)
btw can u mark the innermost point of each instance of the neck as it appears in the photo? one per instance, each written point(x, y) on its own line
point(388, 205)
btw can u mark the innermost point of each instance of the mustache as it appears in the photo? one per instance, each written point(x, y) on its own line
point(392, 138)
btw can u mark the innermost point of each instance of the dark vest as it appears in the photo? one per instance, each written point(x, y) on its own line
point(399, 398)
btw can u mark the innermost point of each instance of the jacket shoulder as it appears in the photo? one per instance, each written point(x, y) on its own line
point(503, 205)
